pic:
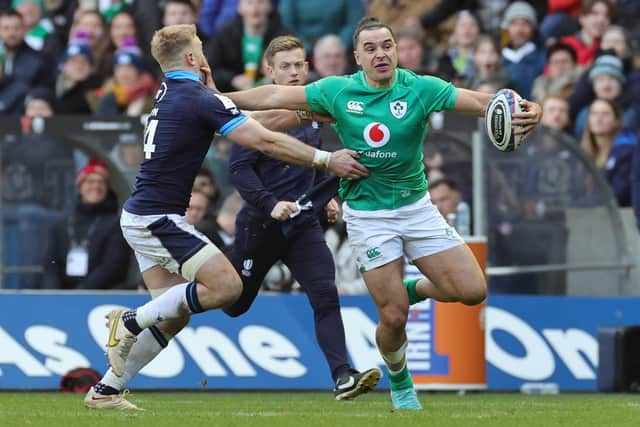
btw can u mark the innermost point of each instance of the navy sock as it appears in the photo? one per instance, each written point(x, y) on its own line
point(105, 389)
point(129, 319)
point(160, 338)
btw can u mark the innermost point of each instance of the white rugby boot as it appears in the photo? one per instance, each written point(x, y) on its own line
point(119, 342)
point(93, 400)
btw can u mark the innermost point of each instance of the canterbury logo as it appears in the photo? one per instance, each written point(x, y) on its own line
point(355, 106)
point(112, 333)
point(374, 253)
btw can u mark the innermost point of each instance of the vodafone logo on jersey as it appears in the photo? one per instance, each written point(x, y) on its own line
point(376, 134)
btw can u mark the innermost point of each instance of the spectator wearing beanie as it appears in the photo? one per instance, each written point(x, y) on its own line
point(615, 40)
point(608, 82)
point(76, 79)
point(86, 250)
point(131, 90)
point(522, 57)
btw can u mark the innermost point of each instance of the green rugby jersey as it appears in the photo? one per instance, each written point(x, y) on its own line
point(387, 126)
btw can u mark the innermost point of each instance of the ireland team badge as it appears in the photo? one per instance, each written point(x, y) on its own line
point(398, 108)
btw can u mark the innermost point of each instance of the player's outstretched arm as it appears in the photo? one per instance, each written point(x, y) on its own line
point(472, 102)
point(252, 134)
point(475, 103)
point(280, 120)
point(270, 97)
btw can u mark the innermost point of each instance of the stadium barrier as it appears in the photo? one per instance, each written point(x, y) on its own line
point(528, 339)
point(550, 339)
point(39, 343)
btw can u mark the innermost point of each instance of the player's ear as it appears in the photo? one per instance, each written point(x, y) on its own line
point(356, 56)
point(189, 58)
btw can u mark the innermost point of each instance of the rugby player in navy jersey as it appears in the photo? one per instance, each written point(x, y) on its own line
point(270, 188)
point(184, 272)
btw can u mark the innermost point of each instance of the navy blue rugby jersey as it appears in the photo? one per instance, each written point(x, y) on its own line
point(179, 131)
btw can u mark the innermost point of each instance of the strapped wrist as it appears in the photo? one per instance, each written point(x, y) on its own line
point(321, 159)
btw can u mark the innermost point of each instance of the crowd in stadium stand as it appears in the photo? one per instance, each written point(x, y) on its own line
point(579, 58)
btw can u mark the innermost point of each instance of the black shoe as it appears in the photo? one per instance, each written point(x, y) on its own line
point(356, 383)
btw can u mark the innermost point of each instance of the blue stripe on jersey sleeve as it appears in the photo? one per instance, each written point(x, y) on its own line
point(232, 124)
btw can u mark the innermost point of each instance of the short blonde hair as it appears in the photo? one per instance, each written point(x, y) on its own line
point(169, 43)
point(282, 44)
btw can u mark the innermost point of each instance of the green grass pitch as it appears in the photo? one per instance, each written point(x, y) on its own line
point(308, 409)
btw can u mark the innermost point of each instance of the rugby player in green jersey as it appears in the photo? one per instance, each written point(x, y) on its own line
point(382, 112)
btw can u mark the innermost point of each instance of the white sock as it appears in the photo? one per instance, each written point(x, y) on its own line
point(143, 351)
point(172, 304)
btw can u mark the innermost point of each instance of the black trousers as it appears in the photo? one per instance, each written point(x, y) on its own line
point(259, 244)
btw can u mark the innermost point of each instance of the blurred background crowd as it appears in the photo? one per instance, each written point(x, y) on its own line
point(579, 58)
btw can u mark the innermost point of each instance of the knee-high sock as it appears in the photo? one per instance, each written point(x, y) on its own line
point(149, 344)
point(176, 302)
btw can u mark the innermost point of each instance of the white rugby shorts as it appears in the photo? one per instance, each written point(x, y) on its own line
point(382, 236)
point(166, 240)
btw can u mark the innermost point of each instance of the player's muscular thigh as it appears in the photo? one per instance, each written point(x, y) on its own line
point(456, 273)
point(222, 283)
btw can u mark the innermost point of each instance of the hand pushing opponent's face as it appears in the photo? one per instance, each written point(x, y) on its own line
point(199, 60)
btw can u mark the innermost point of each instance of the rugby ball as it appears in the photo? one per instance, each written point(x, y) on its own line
point(497, 120)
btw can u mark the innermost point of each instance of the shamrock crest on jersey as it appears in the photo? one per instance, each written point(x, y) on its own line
point(398, 109)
